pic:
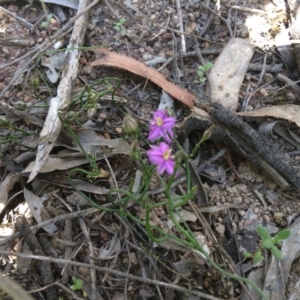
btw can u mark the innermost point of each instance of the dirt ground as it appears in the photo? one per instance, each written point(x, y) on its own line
point(79, 217)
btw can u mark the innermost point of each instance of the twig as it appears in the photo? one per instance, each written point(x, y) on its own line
point(162, 30)
point(60, 102)
point(227, 22)
point(45, 268)
point(91, 254)
point(12, 288)
point(61, 286)
point(111, 174)
point(248, 9)
point(114, 272)
point(262, 73)
point(67, 235)
point(111, 9)
point(47, 44)
point(293, 85)
point(183, 45)
point(54, 220)
point(207, 24)
point(16, 17)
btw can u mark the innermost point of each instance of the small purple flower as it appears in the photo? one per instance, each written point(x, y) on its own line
point(161, 126)
point(161, 156)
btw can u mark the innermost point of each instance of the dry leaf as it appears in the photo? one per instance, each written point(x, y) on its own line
point(289, 112)
point(38, 211)
point(228, 72)
point(185, 215)
point(111, 249)
point(6, 185)
point(136, 67)
point(281, 128)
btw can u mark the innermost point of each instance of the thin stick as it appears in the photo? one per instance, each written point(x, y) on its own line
point(16, 17)
point(114, 272)
point(248, 9)
point(54, 220)
point(183, 44)
point(91, 254)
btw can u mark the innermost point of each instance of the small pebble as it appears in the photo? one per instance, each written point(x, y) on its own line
point(26, 99)
point(241, 213)
point(256, 210)
point(237, 200)
point(13, 8)
point(246, 201)
point(228, 199)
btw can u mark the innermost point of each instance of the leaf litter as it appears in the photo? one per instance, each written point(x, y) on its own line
point(223, 207)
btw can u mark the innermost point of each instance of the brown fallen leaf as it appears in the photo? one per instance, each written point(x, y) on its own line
point(289, 112)
point(5, 186)
point(116, 60)
point(228, 72)
point(38, 211)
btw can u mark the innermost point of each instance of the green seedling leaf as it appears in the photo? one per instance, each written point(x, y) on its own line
point(201, 68)
point(247, 254)
point(208, 66)
point(117, 28)
point(44, 24)
point(262, 232)
point(123, 32)
point(268, 243)
point(283, 234)
point(202, 80)
point(276, 253)
point(200, 73)
point(122, 21)
point(77, 284)
point(258, 257)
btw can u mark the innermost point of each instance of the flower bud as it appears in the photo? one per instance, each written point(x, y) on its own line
point(92, 97)
point(4, 122)
point(91, 112)
point(71, 115)
point(170, 112)
point(130, 125)
point(194, 189)
point(178, 159)
point(207, 133)
point(135, 150)
point(35, 81)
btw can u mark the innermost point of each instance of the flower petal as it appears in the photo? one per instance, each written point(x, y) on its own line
point(169, 166)
point(163, 147)
point(161, 168)
point(154, 134)
point(156, 160)
point(166, 137)
point(168, 123)
point(159, 114)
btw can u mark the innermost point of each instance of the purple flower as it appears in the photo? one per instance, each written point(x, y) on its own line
point(161, 156)
point(161, 126)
